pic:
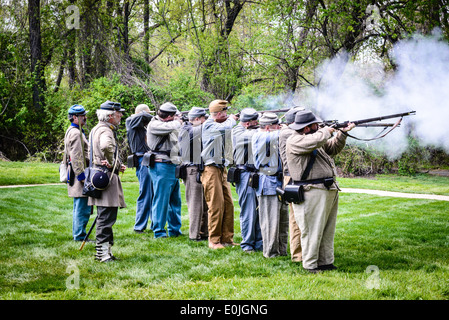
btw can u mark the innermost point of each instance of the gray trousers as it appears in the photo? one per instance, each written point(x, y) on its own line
point(273, 217)
point(317, 219)
point(196, 204)
point(106, 217)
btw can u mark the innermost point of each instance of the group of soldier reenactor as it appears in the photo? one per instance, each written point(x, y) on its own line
point(254, 151)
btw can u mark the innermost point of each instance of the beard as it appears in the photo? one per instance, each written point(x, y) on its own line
point(312, 131)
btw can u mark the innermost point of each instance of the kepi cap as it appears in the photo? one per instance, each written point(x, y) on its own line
point(77, 110)
point(248, 114)
point(111, 106)
point(290, 114)
point(196, 112)
point(168, 107)
point(303, 119)
point(218, 105)
point(268, 118)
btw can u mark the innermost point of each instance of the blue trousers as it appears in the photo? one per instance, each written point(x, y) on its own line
point(166, 206)
point(249, 214)
point(143, 203)
point(81, 214)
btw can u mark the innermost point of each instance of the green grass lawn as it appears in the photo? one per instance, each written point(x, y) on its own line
point(385, 248)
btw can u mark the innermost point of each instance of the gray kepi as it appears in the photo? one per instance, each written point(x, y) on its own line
point(196, 112)
point(248, 114)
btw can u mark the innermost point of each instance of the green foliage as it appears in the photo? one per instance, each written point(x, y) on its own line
point(185, 93)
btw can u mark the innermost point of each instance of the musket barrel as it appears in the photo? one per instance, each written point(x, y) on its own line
point(364, 121)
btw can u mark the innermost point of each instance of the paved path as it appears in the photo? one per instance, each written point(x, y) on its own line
point(31, 185)
point(345, 190)
point(397, 194)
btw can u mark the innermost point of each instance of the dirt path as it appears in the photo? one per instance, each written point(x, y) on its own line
point(345, 190)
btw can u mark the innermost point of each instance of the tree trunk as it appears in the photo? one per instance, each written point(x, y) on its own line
point(126, 14)
point(146, 38)
point(37, 68)
point(60, 72)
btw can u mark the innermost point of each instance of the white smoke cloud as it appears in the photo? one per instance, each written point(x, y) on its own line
point(365, 90)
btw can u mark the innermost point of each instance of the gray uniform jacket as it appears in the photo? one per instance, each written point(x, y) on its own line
point(76, 148)
point(300, 147)
point(190, 143)
point(217, 142)
point(156, 131)
point(242, 145)
point(104, 148)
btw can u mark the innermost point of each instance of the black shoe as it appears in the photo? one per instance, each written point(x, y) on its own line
point(327, 267)
point(139, 231)
point(315, 270)
point(198, 239)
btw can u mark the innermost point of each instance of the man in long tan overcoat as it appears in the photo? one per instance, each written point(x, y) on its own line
point(76, 156)
point(105, 154)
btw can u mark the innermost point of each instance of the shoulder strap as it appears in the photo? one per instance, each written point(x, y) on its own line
point(91, 148)
point(159, 145)
point(309, 165)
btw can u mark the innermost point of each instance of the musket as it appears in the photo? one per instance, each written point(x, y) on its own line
point(274, 111)
point(90, 230)
point(187, 111)
point(330, 123)
point(365, 122)
point(259, 111)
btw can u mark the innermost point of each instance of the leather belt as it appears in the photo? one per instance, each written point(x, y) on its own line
point(247, 168)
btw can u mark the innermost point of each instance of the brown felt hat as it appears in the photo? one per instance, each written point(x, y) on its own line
point(218, 105)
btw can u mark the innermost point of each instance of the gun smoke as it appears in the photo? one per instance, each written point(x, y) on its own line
point(352, 90)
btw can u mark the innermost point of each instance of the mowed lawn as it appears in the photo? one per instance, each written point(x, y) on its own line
point(385, 248)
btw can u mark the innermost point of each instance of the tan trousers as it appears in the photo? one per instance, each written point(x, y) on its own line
point(317, 218)
point(196, 204)
point(295, 233)
point(217, 192)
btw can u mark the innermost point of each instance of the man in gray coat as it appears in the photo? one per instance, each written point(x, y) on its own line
point(317, 215)
point(103, 140)
point(243, 158)
point(75, 154)
point(162, 138)
point(191, 145)
point(273, 214)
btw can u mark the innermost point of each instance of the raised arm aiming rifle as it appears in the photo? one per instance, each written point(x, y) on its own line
point(371, 122)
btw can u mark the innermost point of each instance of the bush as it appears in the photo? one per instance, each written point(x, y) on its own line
point(358, 161)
